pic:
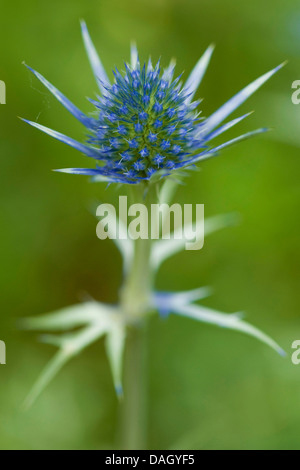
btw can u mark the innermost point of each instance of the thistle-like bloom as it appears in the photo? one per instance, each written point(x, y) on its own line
point(146, 124)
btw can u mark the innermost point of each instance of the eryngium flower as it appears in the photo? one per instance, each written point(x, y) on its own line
point(146, 124)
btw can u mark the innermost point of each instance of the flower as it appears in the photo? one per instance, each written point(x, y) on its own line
point(145, 127)
point(146, 124)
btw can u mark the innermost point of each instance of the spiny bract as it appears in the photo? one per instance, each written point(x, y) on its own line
point(146, 125)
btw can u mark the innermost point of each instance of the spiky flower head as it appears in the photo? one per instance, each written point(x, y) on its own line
point(146, 124)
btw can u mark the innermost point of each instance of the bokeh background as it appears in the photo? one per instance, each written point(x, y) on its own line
point(208, 388)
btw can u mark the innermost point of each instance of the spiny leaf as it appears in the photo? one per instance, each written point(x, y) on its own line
point(164, 249)
point(69, 344)
point(68, 318)
point(233, 322)
point(117, 231)
point(163, 300)
point(115, 342)
point(52, 368)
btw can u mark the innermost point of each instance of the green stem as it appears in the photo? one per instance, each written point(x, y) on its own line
point(134, 407)
point(135, 302)
point(137, 286)
point(136, 290)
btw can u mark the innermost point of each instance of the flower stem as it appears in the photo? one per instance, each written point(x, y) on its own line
point(135, 302)
point(137, 285)
point(134, 407)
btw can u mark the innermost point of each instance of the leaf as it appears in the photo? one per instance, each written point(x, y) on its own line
point(115, 342)
point(198, 73)
point(214, 152)
point(169, 71)
point(167, 191)
point(224, 111)
point(69, 317)
point(164, 249)
point(123, 242)
point(163, 301)
point(94, 59)
point(76, 112)
point(52, 368)
point(227, 126)
point(101, 320)
point(85, 149)
point(231, 321)
point(134, 56)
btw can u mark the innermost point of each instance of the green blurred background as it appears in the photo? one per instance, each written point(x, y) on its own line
point(208, 388)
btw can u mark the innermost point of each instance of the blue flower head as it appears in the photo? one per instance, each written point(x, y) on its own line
point(146, 124)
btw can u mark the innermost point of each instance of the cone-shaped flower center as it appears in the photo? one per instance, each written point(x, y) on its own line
point(145, 123)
